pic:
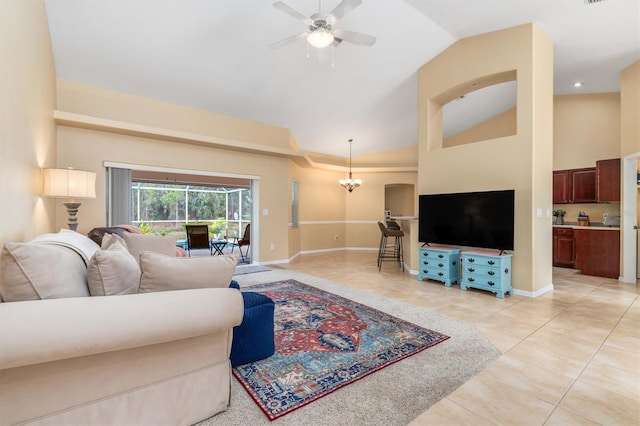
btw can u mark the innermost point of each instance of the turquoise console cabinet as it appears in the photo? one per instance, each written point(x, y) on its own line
point(440, 263)
point(486, 271)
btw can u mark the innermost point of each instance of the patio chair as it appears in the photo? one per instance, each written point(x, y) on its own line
point(245, 241)
point(198, 238)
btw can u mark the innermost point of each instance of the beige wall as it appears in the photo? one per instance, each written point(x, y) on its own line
point(630, 109)
point(96, 102)
point(327, 210)
point(522, 162)
point(88, 149)
point(27, 130)
point(630, 141)
point(586, 128)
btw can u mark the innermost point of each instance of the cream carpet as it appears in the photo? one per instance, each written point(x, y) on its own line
point(394, 395)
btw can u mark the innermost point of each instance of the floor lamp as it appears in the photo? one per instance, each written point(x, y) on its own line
point(69, 183)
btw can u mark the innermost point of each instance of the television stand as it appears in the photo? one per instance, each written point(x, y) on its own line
point(439, 263)
point(487, 271)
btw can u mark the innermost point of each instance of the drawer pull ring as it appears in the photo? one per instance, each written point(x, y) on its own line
point(441, 256)
point(440, 265)
point(453, 263)
point(491, 262)
point(471, 279)
point(491, 273)
point(491, 283)
point(471, 269)
point(440, 274)
point(471, 260)
point(506, 270)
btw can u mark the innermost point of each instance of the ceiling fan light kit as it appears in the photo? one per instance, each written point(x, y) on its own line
point(320, 38)
point(321, 32)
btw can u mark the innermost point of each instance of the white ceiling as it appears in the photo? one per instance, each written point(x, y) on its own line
point(214, 55)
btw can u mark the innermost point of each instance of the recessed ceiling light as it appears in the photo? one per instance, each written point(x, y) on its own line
point(578, 84)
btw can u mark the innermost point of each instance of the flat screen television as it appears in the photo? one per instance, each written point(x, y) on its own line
point(474, 219)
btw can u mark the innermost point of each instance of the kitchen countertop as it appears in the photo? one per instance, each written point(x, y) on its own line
point(592, 225)
point(403, 218)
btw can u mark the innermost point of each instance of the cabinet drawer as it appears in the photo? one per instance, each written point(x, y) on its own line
point(429, 254)
point(484, 271)
point(482, 282)
point(563, 232)
point(433, 274)
point(480, 260)
point(435, 263)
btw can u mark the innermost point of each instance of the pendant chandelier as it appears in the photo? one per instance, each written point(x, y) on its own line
point(350, 184)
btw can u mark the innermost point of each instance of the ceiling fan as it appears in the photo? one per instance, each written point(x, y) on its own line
point(321, 32)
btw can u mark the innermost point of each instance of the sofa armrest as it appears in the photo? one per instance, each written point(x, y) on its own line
point(47, 330)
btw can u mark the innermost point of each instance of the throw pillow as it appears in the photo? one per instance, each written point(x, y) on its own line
point(137, 243)
point(109, 239)
point(113, 271)
point(41, 271)
point(162, 273)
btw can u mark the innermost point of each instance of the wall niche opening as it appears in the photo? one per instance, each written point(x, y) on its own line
point(479, 110)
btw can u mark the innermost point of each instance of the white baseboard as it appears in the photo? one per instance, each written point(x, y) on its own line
point(534, 294)
point(281, 261)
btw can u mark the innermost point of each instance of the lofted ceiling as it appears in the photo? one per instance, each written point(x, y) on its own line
point(215, 55)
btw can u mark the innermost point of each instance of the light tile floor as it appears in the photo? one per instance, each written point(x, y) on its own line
point(570, 357)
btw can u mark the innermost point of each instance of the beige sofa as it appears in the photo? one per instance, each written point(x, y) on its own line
point(160, 357)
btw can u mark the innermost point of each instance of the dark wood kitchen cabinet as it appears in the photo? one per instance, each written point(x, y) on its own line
point(608, 180)
point(561, 187)
point(583, 185)
point(597, 252)
point(563, 247)
point(574, 186)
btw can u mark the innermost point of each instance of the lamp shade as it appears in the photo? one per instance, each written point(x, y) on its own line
point(69, 183)
point(320, 38)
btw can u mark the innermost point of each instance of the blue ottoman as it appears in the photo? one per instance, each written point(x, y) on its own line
point(253, 339)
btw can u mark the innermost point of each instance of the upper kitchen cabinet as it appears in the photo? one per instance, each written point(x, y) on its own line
point(608, 180)
point(561, 187)
point(583, 185)
point(574, 186)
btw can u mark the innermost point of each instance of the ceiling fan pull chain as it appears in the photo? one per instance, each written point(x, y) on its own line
point(333, 64)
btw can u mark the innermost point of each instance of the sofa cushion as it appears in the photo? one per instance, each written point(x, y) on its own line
point(41, 271)
point(113, 271)
point(137, 243)
point(162, 273)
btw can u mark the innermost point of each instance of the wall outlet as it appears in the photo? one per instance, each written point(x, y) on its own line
point(272, 246)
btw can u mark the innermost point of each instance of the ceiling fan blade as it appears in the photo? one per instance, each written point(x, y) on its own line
point(287, 40)
point(355, 38)
point(344, 7)
point(292, 12)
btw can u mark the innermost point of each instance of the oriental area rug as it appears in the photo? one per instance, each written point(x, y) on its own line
point(324, 342)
